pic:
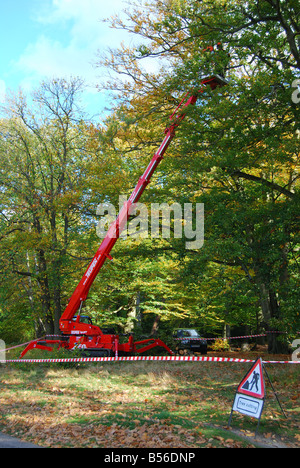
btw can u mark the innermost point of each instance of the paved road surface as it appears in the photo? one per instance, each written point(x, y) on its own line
point(11, 442)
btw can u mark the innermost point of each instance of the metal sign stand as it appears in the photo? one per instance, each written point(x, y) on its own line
point(246, 402)
point(259, 418)
point(278, 401)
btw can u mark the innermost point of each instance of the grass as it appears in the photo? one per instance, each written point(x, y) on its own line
point(142, 404)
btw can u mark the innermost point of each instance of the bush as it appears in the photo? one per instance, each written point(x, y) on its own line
point(221, 345)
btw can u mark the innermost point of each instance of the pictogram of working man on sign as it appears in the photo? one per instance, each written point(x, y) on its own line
point(254, 381)
point(249, 385)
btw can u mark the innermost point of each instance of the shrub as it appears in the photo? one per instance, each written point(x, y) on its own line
point(221, 345)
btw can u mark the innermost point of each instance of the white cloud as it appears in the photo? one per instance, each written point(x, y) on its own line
point(86, 10)
point(2, 90)
point(72, 33)
point(85, 17)
point(72, 53)
point(50, 58)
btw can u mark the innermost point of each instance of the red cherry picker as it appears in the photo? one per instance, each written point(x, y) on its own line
point(77, 331)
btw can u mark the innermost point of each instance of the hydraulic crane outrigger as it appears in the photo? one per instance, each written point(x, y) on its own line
point(76, 333)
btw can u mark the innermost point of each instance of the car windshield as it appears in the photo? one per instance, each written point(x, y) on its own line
point(187, 332)
point(192, 332)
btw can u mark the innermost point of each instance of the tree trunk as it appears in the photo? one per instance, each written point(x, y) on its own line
point(45, 293)
point(134, 313)
point(226, 331)
point(155, 326)
point(57, 300)
point(270, 310)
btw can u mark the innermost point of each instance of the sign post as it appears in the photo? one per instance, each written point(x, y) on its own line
point(250, 394)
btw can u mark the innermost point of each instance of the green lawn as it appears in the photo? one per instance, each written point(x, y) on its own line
point(143, 404)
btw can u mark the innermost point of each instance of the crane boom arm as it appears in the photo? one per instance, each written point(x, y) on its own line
point(103, 253)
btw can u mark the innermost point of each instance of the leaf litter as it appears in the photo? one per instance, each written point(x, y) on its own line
point(140, 406)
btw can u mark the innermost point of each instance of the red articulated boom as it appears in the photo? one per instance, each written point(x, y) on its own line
point(78, 332)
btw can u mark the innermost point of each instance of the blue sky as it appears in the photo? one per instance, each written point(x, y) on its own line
point(42, 39)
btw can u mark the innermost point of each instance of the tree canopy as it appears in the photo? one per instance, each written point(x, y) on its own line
point(237, 153)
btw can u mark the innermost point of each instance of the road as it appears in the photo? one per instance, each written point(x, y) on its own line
point(11, 442)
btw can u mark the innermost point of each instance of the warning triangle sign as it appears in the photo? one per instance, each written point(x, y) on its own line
point(253, 383)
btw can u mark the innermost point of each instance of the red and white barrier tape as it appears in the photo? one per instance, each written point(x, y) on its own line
point(19, 346)
point(229, 338)
point(217, 338)
point(144, 358)
point(175, 339)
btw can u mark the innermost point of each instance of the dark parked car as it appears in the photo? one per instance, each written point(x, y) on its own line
point(188, 341)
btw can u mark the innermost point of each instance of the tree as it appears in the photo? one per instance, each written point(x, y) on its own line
point(239, 148)
point(43, 170)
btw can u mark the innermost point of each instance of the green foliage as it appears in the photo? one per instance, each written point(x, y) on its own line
point(220, 345)
point(237, 152)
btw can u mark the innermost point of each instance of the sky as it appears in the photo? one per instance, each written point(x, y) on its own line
point(42, 39)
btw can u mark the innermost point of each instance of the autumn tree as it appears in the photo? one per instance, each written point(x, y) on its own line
point(239, 150)
point(43, 168)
